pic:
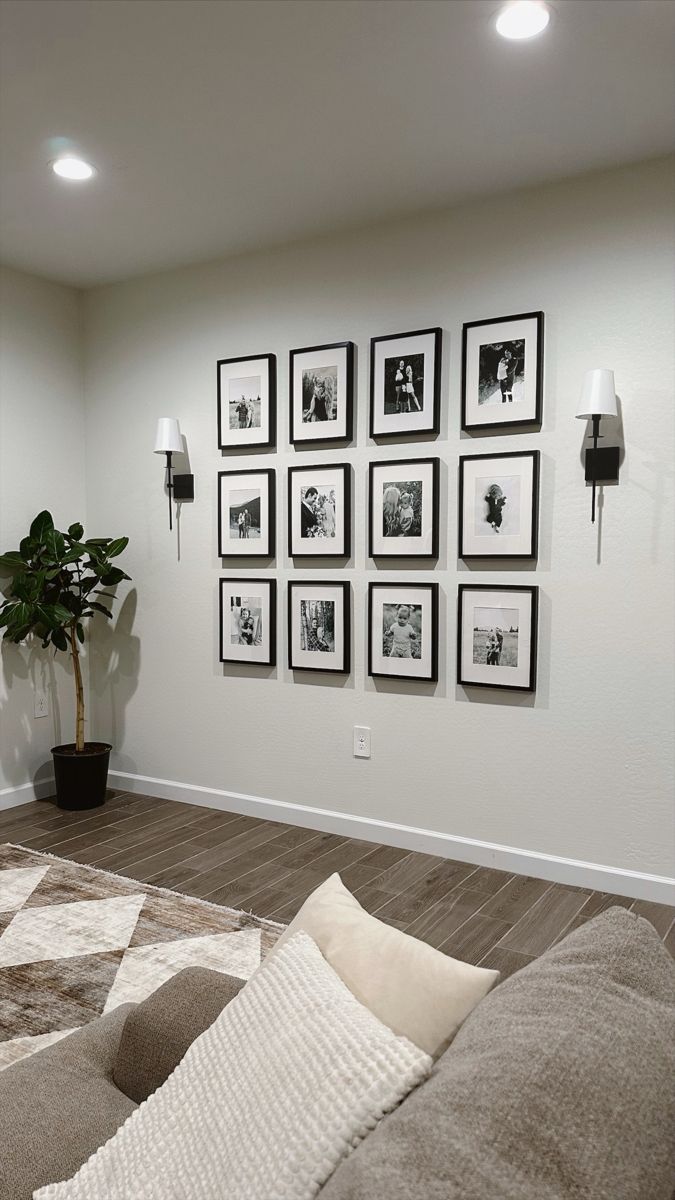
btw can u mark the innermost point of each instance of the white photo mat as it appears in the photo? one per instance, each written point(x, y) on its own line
point(481, 610)
point(402, 347)
point(336, 659)
point(523, 407)
point(513, 480)
point(329, 480)
point(237, 492)
point(318, 359)
point(234, 378)
point(395, 474)
point(257, 597)
point(394, 595)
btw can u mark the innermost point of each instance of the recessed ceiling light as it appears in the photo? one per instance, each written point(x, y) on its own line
point(70, 167)
point(523, 19)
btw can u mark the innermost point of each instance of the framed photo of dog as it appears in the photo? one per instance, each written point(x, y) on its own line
point(403, 507)
point(499, 505)
point(403, 630)
point(497, 636)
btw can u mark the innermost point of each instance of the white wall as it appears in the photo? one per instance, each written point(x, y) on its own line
point(584, 769)
point(42, 439)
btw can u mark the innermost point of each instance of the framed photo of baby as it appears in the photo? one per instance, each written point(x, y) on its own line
point(322, 393)
point(319, 626)
point(403, 630)
point(246, 511)
point(248, 621)
point(503, 372)
point(497, 636)
point(499, 505)
point(247, 390)
point(404, 508)
point(319, 511)
point(405, 383)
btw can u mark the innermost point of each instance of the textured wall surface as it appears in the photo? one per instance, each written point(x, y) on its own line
point(42, 441)
point(582, 769)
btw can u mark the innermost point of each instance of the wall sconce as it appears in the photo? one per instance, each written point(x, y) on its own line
point(168, 441)
point(597, 400)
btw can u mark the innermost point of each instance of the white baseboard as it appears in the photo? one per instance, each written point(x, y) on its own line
point(638, 884)
point(23, 794)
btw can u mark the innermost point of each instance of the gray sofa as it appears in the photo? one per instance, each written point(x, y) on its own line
point(559, 1086)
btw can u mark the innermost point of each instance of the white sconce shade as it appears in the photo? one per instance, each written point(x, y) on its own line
point(168, 439)
point(598, 397)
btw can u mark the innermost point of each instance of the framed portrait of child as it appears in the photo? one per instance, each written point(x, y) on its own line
point(403, 508)
point(503, 372)
point(248, 621)
point(403, 630)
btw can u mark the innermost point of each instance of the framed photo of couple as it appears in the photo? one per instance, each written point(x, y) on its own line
point(497, 636)
point(499, 505)
point(247, 398)
point(319, 511)
point(403, 630)
point(404, 508)
point(405, 383)
point(246, 513)
point(322, 393)
point(248, 621)
point(502, 372)
point(319, 626)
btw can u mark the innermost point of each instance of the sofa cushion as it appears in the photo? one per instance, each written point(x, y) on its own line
point(289, 1077)
point(415, 990)
point(58, 1106)
point(160, 1029)
point(559, 1086)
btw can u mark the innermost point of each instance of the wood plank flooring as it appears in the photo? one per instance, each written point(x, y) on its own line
point(485, 916)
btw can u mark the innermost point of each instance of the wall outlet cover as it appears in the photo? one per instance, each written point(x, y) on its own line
point(361, 741)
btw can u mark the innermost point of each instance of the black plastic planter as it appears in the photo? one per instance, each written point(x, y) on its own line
point(81, 779)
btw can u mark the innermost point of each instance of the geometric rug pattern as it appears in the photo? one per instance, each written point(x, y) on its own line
point(76, 942)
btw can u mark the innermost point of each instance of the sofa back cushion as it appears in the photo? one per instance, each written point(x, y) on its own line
point(559, 1086)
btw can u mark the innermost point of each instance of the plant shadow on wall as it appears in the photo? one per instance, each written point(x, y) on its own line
point(115, 656)
point(58, 582)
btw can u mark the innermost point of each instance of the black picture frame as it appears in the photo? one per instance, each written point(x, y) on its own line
point(340, 586)
point(384, 464)
point(533, 591)
point(532, 421)
point(532, 549)
point(349, 353)
point(408, 585)
point(262, 443)
point(434, 426)
point(267, 548)
point(322, 551)
point(225, 585)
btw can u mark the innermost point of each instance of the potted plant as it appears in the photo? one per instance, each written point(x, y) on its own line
point(56, 579)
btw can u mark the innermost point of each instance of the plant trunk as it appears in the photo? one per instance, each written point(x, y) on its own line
point(79, 691)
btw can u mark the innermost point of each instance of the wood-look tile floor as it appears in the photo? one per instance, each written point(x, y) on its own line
point(484, 916)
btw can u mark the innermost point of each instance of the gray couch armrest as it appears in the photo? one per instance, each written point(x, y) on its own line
point(159, 1030)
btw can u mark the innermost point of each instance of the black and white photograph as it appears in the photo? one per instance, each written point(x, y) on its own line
point(248, 621)
point(403, 630)
point(499, 505)
point(246, 513)
point(322, 393)
point(319, 511)
point(497, 636)
point(404, 508)
point(405, 382)
point(319, 626)
point(247, 401)
point(502, 371)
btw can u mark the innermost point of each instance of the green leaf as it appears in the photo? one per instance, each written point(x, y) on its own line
point(116, 547)
point(75, 531)
point(54, 544)
point(113, 576)
point(59, 639)
point(12, 561)
point(97, 542)
point(27, 548)
point(100, 608)
point(42, 525)
point(80, 631)
point(57, 614)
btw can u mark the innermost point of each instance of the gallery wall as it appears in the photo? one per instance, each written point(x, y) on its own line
point(42, 444)
point(582, 769)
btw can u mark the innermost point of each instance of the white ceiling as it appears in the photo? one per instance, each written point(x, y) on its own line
point(223, 125)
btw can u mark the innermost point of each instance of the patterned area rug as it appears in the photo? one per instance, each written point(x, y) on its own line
point(76, 942)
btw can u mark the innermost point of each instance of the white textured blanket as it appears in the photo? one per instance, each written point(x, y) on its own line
point(289, 1078)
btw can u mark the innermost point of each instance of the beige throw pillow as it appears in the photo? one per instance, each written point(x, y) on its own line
point(418, 992)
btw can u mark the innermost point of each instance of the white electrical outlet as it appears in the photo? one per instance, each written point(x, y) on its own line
point(41, 706)
point(361, 741)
